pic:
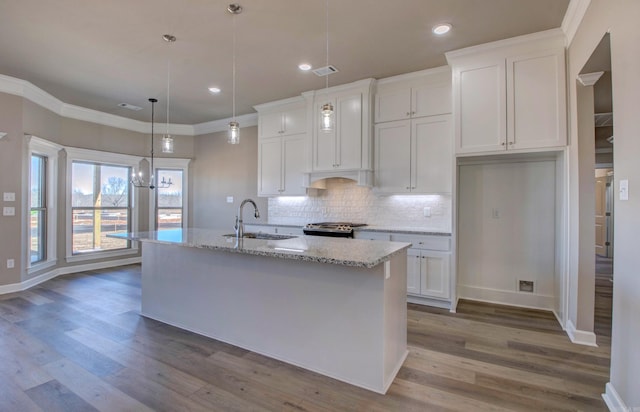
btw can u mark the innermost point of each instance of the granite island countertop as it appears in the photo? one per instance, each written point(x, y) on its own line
point(338, 251)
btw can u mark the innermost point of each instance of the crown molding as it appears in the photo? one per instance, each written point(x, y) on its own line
point(419, 75)
point(589, 79)
point(246, 120)
point(27, 90)
point(572, 18)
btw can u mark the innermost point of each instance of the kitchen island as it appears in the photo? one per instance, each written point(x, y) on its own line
point(333, 306)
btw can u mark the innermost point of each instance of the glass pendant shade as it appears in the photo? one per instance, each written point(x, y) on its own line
point(167, 144)
point(327, 120)
point(234, 133)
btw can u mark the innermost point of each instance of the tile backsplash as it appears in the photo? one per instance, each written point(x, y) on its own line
point(343, 200)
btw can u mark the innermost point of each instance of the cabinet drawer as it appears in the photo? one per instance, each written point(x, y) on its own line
point(372, 235)
point(442, 243)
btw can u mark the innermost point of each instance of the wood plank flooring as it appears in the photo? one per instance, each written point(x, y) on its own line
point(77, 343)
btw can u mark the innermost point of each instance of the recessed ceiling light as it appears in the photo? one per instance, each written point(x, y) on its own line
point(304, 67)
point(214, 90)
point(441, 29)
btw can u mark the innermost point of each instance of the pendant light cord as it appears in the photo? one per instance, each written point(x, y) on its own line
point(326, 81)
point(233, 70)
point(168, 89)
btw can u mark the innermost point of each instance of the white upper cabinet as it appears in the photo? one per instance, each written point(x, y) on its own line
point(282, 147)
point(348, 146)
point(414, 155)
point(426, 93)
point(510, 95)
point(283, 123)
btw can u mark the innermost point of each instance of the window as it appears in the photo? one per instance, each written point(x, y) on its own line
point(169, 205)
point(101, 205)
point(100, 202)
point(40, 228)
point(38, 212)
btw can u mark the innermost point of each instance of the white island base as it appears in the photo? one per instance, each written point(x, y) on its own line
point(349, 323)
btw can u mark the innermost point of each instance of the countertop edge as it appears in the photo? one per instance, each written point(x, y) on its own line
point(407, 231)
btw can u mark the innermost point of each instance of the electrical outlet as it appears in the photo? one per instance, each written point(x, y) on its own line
point(426, 212)
point(9, 196)
point(229, 199)
point(624, 189)
point(495, 213)
point(8, 211)
point(11, 263)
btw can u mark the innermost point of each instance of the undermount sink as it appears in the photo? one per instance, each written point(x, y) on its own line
point(267, 236)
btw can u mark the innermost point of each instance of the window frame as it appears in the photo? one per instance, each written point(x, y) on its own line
point(172, 163)
point(106, 159)
point(50, 151)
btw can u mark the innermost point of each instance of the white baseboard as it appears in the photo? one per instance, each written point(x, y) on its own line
point(580, 337)
point(20, 286)
point(444, 304)
point(613, 400)
point(506, 297)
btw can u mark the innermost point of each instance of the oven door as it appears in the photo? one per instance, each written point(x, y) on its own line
point(328, 233)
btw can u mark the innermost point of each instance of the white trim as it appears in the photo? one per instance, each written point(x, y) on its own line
point(296, 100)
point(175, 164)
point(23, 88)
point(76, 154)
point(50, 151)
point(613, 400)
point(573, 17)
point(18, 287)
point(589, 79)
point(419, 75)
point(547, 37)
point(507, 297)
point(426, 301)
point(580, 337)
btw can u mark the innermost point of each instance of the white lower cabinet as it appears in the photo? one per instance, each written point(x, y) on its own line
point(428, 272)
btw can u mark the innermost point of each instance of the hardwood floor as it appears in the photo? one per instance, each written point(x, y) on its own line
point(77, 343)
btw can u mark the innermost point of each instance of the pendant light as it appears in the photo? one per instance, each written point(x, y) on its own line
point(234, 127)
point(138, 180)
point(327, 116)
point(167, 139)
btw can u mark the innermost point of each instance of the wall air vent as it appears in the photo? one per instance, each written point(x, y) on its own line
point(603, 119)
point(129, 106)
point(525, 286)
point(324, 71)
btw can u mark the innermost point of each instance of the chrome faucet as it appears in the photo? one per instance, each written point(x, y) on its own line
point(239, 226)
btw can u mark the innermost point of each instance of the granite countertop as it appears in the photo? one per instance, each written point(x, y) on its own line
point(370, 228)
point(338, 251)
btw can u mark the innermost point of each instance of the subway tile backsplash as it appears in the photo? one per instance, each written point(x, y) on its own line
point(343, 200)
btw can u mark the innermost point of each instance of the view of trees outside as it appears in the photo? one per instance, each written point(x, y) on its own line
point(169, 200)
point(101, 205)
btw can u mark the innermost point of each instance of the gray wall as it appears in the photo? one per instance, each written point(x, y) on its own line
point(19, 116)
point(222, 170)
point(620, 18)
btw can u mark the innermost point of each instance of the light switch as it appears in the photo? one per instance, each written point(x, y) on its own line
point(11, 263)
point(229, 199)
point(624, 189)
point(9, 196)
point(495, 213)
point(8, 211)
point(426, 212)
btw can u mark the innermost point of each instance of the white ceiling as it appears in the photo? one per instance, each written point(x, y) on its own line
point(97, 54)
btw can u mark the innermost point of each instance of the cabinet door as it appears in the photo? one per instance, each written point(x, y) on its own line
point(270, 167)
point(366, 235)
point(393, 105)
point(413, 271)
point(324, 143)
point(431, 100)
point(393, 156)
point(480, 107)
point(434, 275)
point(294, 165)
point(431, 155)
point(349, 128)
point(295, 121)
point(270, 124)
point(536, 115)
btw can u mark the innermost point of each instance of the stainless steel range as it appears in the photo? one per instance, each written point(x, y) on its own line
point(332, 229)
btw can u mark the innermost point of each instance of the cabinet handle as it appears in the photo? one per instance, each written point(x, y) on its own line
point(421, 243)
point(510, 143)
point(413, 187)
point(502, 144)
point(413, 112)
point(408, 188)
point(408, 113)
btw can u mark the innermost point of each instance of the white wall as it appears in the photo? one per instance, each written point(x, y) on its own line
point(507, 218)
point(620, 18)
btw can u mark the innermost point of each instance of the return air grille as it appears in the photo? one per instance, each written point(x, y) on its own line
point(324, 71)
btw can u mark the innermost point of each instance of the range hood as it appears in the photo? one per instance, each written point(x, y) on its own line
point(317, 180)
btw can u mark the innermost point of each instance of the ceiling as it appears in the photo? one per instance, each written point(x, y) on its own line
point(97, 54)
